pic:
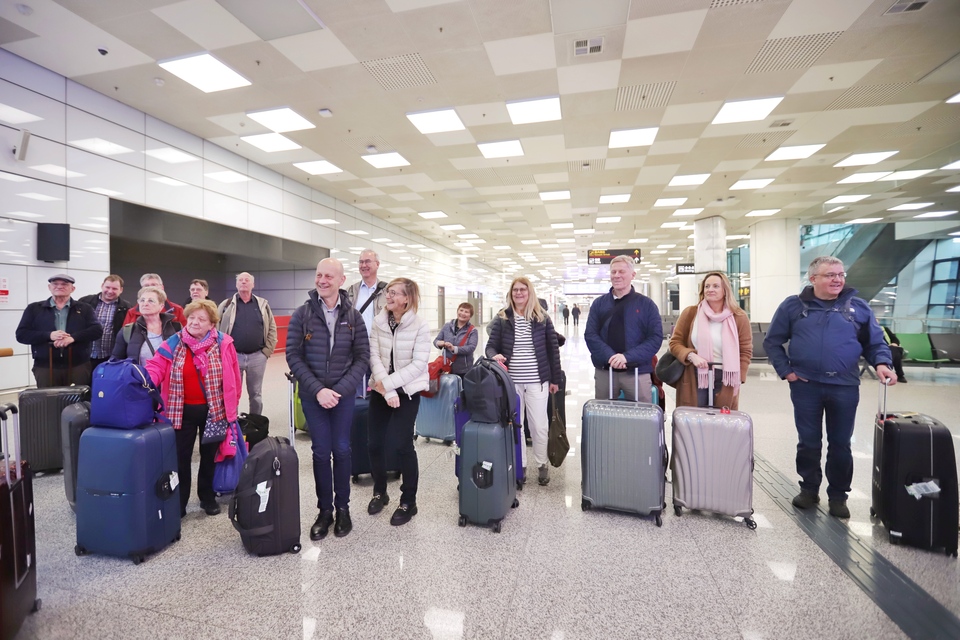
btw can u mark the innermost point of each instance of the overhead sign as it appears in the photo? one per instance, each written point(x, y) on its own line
point(604, 256)
point(686, 269)
point(744, 292)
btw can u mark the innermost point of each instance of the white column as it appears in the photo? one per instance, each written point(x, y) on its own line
point(688, 291)
point(656, 291)
point(710, 245)
point(774, 265)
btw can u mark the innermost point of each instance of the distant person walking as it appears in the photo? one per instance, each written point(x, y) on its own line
point(576, 315)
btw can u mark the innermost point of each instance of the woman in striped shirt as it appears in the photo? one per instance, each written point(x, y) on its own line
point(522, 337)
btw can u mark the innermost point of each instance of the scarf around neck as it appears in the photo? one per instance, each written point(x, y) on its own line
point(206, 358)
point(729, 347)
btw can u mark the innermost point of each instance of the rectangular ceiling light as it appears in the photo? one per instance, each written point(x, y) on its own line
point(954, 99)
point(669, 202)
point(905, 175)
point(502, 247)
point(529, 242)
point(561, 225)
point(863, 220)
point(554, 195)
point(271, 142)
point(39, 197)
point(672, 225)
point(608, 219)
point(746, 110)
point(469, 236)
point(170, 155)
point(835, 209)
point(862, 159)
point(688, 181)
point(750, 184)
point(100, 146)
point(858, 178)
point(539, 110)
point(386, 160)
point(951, 166)
point(432, 215)
point(632, 138)
point(911, 206)
point(798, 152)
point(583, 232)
point(281, 120)
point(566, 240)
point(637, 240)
point(935, 214)
point(505, 149)
point(601, 244)
point(615, 199)
point(381, 240)
point(12, 115)
point(452, 227)
point(326, 221)
point(955, 189)
point(318, 167)
point(666, 246)
point(227, 177)
point(356, 232)
point(760, 213)
point(688, 212)
point(846, 199)
point(439, 121)
point(205, 73)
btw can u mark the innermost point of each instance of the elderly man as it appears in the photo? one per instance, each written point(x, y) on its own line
point(249, 320)
point(110, 310)
point(328, 352)
point(60, 331)
point(154, 280)
point(199, 290)
point(828, 329)
point(368, 295)
point(623, 333)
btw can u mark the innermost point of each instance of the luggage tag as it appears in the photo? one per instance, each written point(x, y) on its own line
point(264, 492)
point(724, 410)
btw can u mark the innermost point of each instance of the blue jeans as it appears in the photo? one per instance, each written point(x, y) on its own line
point(330, 433)
point(811, 400)
point(254, 365)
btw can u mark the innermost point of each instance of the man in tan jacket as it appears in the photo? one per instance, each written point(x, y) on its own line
point(249, 320)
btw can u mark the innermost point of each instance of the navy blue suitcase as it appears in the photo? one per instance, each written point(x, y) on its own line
point(128, 496)
point(521, 473)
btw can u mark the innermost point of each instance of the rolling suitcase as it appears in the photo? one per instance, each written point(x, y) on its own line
point(73, 422)
point(488, 490)
point(713, 461)
point(265, 508)
point(18, 544)
point(40, 411)
point(437, 415)
point(623, 456)
point(128, 496)
point(915, 479)
point(521, 473)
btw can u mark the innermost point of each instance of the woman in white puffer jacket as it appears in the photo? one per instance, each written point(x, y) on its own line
point(399, 355)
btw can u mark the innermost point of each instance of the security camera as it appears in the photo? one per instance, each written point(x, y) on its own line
point(103, 51)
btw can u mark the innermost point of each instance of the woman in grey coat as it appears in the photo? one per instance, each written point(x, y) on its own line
point(450, 339)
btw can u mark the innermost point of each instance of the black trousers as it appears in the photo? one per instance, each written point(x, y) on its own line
point(79, 374)
point(381, 419)
point(194, 417)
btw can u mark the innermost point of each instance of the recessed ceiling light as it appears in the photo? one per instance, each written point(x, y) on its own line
point(57, 170)
point(608, 219)
point(688, 212)
point(797, 152)
point(356, 232)
point(452, 227)
point(675, 258)
point(561, 225)
point(205, 73)
point(911, 206)
point(935, 214)
point(954, 189)
point(505, 149)
point(954, 99)
point(271, 142)
point(637, 240)
point(657, 252)
point(100, 146)
point(615, 199)
point(835, 209)
point(381, 240)
point(601, 244)
point(746, 110)
point(862, 159)
point(386, 160)
point(905, 175)
point(738, 237)
point(470, 247)
point(467, 236)
point(170, 182)
point(281, 120)
point(227, 177)
point(632, 138)
point(529, 242)
point(750, 184)
point(951, 166)
point(666, 246)
point(858, 178)
point(672, 225)
point(566, 240)
point(760, 213)
point(846, 199)
point(554, 195)
point(12, 115)
point(550, 246)
point(689, 180)
point(439, 121)
point(318, 167)
point(583, 232)
point(170, 155)
point(432, 215)
point(502, 247)
point(863, 220)
point(105, 192)
point(326, 221)
point(669, 202)
point(539, 110)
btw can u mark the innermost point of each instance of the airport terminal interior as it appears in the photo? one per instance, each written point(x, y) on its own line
point(468, 142)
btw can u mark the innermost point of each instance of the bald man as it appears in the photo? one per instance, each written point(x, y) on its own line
point(249, 320)
point(328, 352)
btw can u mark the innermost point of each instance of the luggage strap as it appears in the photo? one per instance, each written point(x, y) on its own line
point(255, 531)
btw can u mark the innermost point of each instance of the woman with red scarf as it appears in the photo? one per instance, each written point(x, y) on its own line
point(198, 376)
point(714, 330)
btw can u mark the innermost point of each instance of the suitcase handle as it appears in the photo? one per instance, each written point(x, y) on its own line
point(4, 426)
point(882, 399)
point(636, 383)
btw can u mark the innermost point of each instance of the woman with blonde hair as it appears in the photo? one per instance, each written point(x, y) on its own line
point(522, 337)
point(716, 330)
point(399, 355)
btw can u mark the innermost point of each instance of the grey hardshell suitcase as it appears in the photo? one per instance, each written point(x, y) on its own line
point(623, 457)
point(40, 411)
point(74, 420)
point(436, 417)
point(488, 488)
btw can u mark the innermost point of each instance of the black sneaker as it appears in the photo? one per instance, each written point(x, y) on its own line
point(838, 509)
point(403, 514)
point(210, 508)
point(805, 499)
point(344, 524)
point(902, 380)
point(321, 527)
point(380, 500)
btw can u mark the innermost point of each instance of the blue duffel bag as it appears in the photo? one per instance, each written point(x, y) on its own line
point(123, 396)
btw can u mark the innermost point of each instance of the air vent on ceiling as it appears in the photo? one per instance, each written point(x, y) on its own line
point(588, 47)
point(868, 95)
point(645, 96)
point(904, 7)
point(580, 166)
point(361, 144)
point(719, 4)
point(400, 72)
point(515, 179)
point(796, 52)
point(769, 139)
point(776, 124)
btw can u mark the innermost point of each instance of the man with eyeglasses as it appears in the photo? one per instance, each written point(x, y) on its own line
point(828, 329)
point(110, 309)
point(368, 295)
point(154, 280)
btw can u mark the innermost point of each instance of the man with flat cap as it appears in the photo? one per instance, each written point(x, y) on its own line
point(60, 332)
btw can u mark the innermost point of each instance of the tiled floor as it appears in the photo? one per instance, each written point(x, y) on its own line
point(554, 572)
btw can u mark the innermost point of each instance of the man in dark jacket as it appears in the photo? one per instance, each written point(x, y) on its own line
point(328, 352)
point(110, 310)
point(59, 331)
point(828, 329)
point(623, 333)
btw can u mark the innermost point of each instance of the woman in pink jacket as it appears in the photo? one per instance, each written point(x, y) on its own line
point(198, 376)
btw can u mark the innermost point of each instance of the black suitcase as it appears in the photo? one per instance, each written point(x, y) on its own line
point(18, 544)
point(73, 422)
point(40, 411)
point(255, 428)
point(360, 443)
point(911, 448)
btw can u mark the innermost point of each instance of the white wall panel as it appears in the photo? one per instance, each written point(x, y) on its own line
point(171, 135)
point(323, 199)
point(298, 206)
point(41, 153)
point(48, 110)
point(224, 209)
point(83, 127)
point(216, 153)
point(9, 319)
point(323, 236)
point(296, 229)
point(266, 221)
point(298, 188)
point(20, 241)
point(187, 169)
point(90, 211)
point(106, 176)
point(92, 101)
point(33, 200)
point(265, 194)
point(232, 189)
point(33, 77)
point(15, 372)
point(88, 253)
point(185, 199)
point(260, 172)
point(16, 276)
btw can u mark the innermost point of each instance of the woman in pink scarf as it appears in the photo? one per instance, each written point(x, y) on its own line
point(714, 330)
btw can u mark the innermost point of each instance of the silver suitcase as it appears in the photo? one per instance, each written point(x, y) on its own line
point(623, 457)
point(436, 417)
point(488, 488)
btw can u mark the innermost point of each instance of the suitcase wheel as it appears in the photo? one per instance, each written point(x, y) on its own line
point(751, 523)
point(497, 526)
point(295, 548)
point(585, 505)
point(516, 503)
point(177, 539)
point(873, 513)
point(519, 485)
point(448, 442)
point(139, 559)
point(895, 541)
point(36, 605)
point(415, 436)
point(677, 509)
point(462, 521)
point(355, 479)
point(80, 551)
point(659, 520)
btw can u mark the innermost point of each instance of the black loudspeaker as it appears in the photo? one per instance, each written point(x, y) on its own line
point(53, 242)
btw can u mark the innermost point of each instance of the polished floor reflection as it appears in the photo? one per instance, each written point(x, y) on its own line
point(554, 571)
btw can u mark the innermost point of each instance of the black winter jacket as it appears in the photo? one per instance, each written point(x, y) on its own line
point(37, 323)
point(138, 335)
point(314, 364)
point(122, 307)
point(545, 344)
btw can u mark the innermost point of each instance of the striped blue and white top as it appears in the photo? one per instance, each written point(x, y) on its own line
point(523, 362)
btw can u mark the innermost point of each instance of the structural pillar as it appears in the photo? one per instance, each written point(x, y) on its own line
point(709, 254)
point(656, 291)
point(774, 265)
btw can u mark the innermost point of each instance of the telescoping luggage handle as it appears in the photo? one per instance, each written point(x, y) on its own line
point(713, 368)
point(636, 383)
point(882, 400)
point(5, 427)
point(292, 409)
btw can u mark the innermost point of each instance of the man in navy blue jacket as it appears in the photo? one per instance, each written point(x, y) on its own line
point(828, 328)
point(623, 333)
